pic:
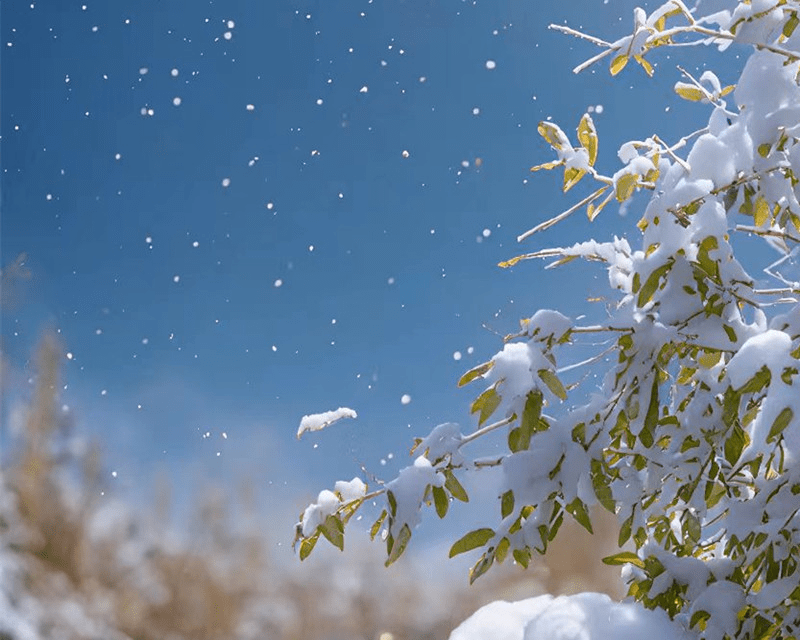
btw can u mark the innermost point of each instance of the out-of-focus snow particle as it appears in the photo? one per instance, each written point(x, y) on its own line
point(341, 195)
point(405, 153)
point(69, 355)
point(456, 355)
point(405, 399)
point(104, 392)
point(319, 101)
point(487, 233)
point(390, 281)
point(143, 71)
point(384, 63)
point(363, 89)
point(270, 206)
point(149, 239)
point(176, 101)
point(491, 64)
point(49, 196)
point(95, 29)
point(598, 108)
point(113, 474)
point(195, 244)
point(227, 35)
point(176, 279)
point(251, 107)
point(117, 156)
point(145, 341)
point(478, 162)
point(476, 111)
point(422, 79)
point(470, 350)
point(174, 73)
point(465, 163)
point(278, 283)
point(226, 182)
point(311, 247)
point(274, 348)
point(231, 24)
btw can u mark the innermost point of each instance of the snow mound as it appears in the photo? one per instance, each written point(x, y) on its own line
point(585, 616)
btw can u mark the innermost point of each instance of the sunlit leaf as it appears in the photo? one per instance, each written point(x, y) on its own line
point(618, 64)
point(399, 545)
point(554, 135)
point(553, 383)
point(689, 92)
point(577, 510)
point(376, 527)
point(475, 372)
point(307, 546)
point(452, 484)
point(441, 501)
point(486, 403)
point(761, 212)
point(781, 422)
point(472, 540)
point(587, 135)
point(625, 186)
point(624, 557)
point(333, 530)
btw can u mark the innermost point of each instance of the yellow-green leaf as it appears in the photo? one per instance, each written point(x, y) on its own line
point(486, 403)
point(376, 526)
point(780, 423)
point(507, 503)
point(761, 213)
point(452, 484)
point(727, 90)
point(554, 135)
point(587, 135)
point(553, 383)
point(572, 176)
point(522, 557)
point(648, 68)
point(548, 165)
point(472, 540)
point(441, 501)
point(790, 25)
point(651, 284)
point(618, 63)
point(475, 372)
point(708, 359)
point(307, 546)
point(502, 550)
point(333, 530)
point(689, 92)
point(577, 510)
point(626, 183)
point(481, 567)
point(399, 545)
point(624, 557)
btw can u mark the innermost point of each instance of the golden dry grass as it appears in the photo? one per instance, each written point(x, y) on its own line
point(223, 586)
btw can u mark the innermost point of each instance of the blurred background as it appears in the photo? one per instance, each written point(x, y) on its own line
point(220, 217)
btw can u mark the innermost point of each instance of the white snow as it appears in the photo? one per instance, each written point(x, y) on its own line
point(319, 421)
point(584, 616)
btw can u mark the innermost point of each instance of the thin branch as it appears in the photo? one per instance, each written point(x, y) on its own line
point(579, 34)
point(588, 361)
point(767, 232)
point(488, 428)
point(561, 216)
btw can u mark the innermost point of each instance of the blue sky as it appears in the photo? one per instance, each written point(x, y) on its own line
point(236, 213)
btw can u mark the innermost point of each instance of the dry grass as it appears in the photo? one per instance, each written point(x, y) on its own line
point(71, 582)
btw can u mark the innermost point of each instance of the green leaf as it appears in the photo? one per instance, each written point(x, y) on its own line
point(602, 486)
point(307, 546)
point(373, 531)
point(692, 527)
point(764, 149)
point(646, 435)
point(553, 383)
point(735, 444)
point(652, 282)
point(587, 135)
point(577, 510)
point(392, 503)
point(686, 374)
point(780, 423)
point(441, 501)
point(625, 530)
point(333, 530)
point(475, 372)
point(399, 545)
point(618, 64)
point(522, 557)
point(452, 484)
point(507, 503)
point(486, 403)
point(472, 540)
point(790, 25)
point(730, 333)
point(502, 550)
point(481, 567)
point(624, 557)
point(699, 619)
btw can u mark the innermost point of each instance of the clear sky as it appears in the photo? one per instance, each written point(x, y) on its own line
point(240, 212)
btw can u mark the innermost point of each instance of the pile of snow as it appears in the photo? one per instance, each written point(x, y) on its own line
point(585, 616)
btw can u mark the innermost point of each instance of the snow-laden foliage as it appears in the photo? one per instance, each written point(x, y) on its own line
point(692, 437)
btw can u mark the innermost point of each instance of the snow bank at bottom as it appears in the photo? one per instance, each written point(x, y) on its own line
point(584, 616)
